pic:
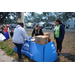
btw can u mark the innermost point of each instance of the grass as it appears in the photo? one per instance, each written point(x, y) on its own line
point(64, 47)
point(73, 40)
point(29, 35)
point(73, 47)
point(70, 58)
point(4, 47)
point(7, 48)
point(68, 48)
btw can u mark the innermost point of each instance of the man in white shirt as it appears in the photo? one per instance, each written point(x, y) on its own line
point(19, 37)
point(8, 30)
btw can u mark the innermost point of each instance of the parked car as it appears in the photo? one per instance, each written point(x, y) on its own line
point(50, 25)
point(28, 27)
point(41, 27)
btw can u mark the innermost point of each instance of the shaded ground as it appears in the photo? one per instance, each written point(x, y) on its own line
point(68, 51)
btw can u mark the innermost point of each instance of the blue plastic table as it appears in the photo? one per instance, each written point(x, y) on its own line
point(39, 53)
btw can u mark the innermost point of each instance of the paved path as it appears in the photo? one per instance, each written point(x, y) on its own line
point(5, 58)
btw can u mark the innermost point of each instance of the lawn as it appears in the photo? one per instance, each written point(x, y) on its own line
point(8, 47)
point(68, 50)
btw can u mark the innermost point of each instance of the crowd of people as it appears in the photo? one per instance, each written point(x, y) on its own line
point(5, 29)
point(20, 35)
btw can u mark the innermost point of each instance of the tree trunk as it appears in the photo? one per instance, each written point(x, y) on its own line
point(22, 18)
point(19, 17)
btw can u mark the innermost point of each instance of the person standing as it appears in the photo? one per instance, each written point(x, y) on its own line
point(8, 30)
point(19, 37)
point(5, 29)
point(37, 31)
point(59, 32)
point(1, 28)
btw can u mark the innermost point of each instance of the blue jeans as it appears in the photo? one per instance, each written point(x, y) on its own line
point(19, 46)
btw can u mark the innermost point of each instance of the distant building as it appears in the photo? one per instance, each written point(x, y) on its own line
point(70, 23)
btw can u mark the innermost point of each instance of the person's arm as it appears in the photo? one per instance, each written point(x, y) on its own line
point(41, 32)
point(54, 34)
point(62, 30)
point(33, 32)
point(24, 34)
point(2, 28)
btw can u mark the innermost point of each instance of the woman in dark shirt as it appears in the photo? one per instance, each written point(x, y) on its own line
point(37, 31)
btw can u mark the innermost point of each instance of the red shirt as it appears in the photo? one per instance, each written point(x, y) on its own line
point(5, 30)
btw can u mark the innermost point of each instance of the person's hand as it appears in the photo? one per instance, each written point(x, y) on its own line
point(52, 41)
point(33, 37)
point(29, 38)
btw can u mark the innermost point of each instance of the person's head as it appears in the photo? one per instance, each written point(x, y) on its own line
point(22, 25)
point(57, 22)
point(5, 26)
point(18, 23)
point(36, 27)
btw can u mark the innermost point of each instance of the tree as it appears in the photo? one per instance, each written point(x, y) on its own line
point(3, 16)
point(35, 17)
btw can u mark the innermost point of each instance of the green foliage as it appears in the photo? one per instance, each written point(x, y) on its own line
point(9, 51)
point(35, 17)
point(5, 17)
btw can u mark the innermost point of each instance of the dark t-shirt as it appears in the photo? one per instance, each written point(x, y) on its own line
point(40, 32)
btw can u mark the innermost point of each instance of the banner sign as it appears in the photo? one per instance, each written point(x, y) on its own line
point(2, 37)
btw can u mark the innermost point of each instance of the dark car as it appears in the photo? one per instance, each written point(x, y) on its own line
point(28, 27)
point(41, 27)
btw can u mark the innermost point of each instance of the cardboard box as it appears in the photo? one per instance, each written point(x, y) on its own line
point(48, 34)
point(41, 40)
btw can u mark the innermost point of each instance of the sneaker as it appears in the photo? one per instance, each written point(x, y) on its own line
point(59, 54)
